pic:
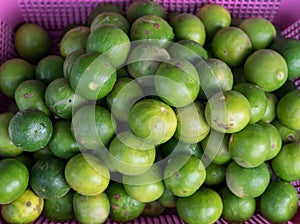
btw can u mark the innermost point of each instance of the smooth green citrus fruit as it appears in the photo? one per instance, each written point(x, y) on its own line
point(205, 207)
point(215, 174)
point(188, 27)
point(123, 208)
point(260, 31)
point(91, 209)
point(270, 113)
point(7, 147)
point(14, 179)
point(153, 209)
point(214, 17)
point(86, 174)
point(271, 64)
point(228, 111)
point(30, 129)
point(231, 45)
point(153, 121)
point(250, 146)
point(286, 163)
point(32, 42)
point(25, 209)
point(47, 178)
point(74, 40)
point(184, 175)
point(288, 112)
point(236, 209)
point(12, 73)
point(247, 182)
point(49, 68)
point(279, 202)
point(104, 7)
point(110, 41)
point(168, 199)
point(69, 61)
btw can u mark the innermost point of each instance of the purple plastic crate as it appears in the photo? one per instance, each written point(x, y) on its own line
point(54, 15)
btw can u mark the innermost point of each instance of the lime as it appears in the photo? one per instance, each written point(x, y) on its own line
point(7, 147)
point(287, 134)
point(228, 111)
point(32, 42)
point(12, 73)
point(270, 113)
point(85, 208)
point(25, 209)
point(205, 206)
point(123, 208)
point(286, 163)
point(256, 97)
point(288, 110)
point(30, 129)
point(260, 31)
point(153, 209)
point(74, 40)
point(279, 202)
point(14, 179)
point(153, 121)
point(231, 45)
point(250, 146)
point(104, 7)
point(86, 174)
point(110, 41)
point(49, 68)
point(236, 209)
point(130, 155)
point(184, 175)
point(176, 82)
point(188, 27)
point(191, 124)
point(110, 18)
point(69, 61)
point(215, 174)
point(168, 199)
point(271, 64)
point(47, 178)
point(214, 17)
point(247, 182)
point(140, 8)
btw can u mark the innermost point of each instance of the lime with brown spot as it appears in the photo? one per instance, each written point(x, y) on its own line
point(287, 134)
point(271, 64)
point(25, 209)
point(12, 73)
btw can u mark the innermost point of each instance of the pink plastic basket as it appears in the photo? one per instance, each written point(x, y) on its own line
point(54, 15)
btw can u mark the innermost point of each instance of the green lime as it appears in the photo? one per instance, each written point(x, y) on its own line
point(140, 8)
point(270, 113)
point(7, 147)
point(30, 129)
point(256, 97)
point(153, 209)
point(12, 73)
point(153, 121)
point(91, 209)
point(288, 110)
point(188, 27)
point(130, 155)
point(214, 17)
point(247, 182)
point(205, 206)
point(279, 203)
point(104, 7)
point(86, 174)
point(74, 40)
point(14, 179)
point(49, 68)
point(287, 134)
point(177, 82)
point(260, 31)
point(228, 111)
point(271, 64)
point(110, 41)
point(231, 45)
point(250, 146)
point(184, 175)
point(236, 209)
point(191, 124)
point(69, 61)
point(215, 174)
point(32, 42)
point(286, 163)
point(25, 209)
point(168, 199)
point(110, 18)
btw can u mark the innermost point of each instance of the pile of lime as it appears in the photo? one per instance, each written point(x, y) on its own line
point(144, 110)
